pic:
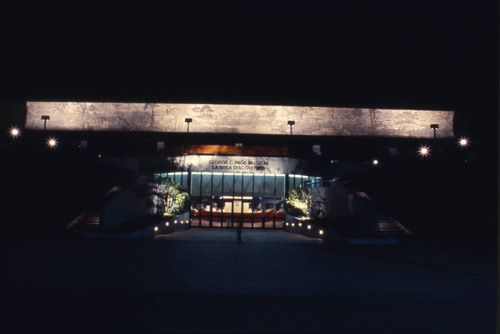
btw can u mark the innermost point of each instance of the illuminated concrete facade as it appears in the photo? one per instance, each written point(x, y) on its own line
point(244, 119)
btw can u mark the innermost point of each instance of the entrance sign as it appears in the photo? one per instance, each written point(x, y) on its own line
point(245, 119)
point(238, 164)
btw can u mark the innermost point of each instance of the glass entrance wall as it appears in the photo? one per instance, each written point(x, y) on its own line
point(295, 180)
point(227, 199)
point(237, 184)
point(179, 177)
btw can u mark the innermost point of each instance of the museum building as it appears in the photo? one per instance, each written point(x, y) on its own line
point(233, 183)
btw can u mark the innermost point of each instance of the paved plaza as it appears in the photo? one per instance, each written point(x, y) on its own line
point(204, 280)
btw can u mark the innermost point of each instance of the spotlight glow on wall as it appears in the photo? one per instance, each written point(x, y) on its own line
point(52, 142)
point(424, 151)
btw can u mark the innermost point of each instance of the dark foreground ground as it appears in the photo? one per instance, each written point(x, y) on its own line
point(205, 281)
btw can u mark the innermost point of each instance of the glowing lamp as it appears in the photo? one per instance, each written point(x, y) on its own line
point(308, 227)
point(300, 224)
point(321, 232)
point(463, 142)
point(424, 151)
point(51, 142)
point(14, 132)
point(156, 228)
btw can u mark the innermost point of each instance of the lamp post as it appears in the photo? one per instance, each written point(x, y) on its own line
point(45, 118)
point(434, 127)
point(188, 120)
point(291, 123)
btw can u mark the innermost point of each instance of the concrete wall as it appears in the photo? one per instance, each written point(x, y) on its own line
point(125, 207)
point(250, 119)
point(337, 205)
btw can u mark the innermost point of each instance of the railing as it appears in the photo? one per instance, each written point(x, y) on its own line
point(320, 184)
point(401, 226)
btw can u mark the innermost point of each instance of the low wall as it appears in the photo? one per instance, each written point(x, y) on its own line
point(168, 225)
point(308, 228)
point(312, 230)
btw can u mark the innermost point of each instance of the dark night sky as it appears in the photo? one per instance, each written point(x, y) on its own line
point(400, 54)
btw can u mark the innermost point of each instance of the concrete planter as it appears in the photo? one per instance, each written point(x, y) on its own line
point(312, 230)
point(170, 224)
point(304, 226)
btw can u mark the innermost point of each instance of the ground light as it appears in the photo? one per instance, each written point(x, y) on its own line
point(424, 151)
point(14, 132)
point(52, 142)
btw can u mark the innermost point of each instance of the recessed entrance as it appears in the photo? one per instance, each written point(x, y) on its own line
point(224, 200)
point(227, 199)
point(228, 212)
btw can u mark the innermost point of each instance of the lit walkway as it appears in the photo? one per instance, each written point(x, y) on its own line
point(229, 235)
point(204, 280)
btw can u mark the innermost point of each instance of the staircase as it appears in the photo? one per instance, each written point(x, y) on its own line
point(89, 219)
point(87, 222)
point(388, 227)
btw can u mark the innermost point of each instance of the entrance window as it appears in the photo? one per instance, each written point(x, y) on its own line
point(225, 199)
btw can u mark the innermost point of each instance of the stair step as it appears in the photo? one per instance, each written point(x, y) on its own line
point(88, 222)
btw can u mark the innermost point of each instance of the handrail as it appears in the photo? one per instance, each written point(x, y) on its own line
point(80, 216)
point(362, 195)
point(401, 226)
